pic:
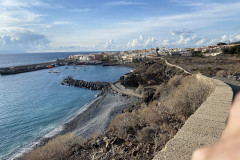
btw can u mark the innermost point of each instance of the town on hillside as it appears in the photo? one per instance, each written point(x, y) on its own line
point(139, 55)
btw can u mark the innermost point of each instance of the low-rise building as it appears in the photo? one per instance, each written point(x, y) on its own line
point(186, 53)
point(211, 54)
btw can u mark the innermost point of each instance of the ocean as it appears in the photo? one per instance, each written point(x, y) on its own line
point(34, 105)
point(17, 59)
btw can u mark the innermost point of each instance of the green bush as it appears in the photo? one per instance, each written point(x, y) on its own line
point(197, 54)
point(232, 50)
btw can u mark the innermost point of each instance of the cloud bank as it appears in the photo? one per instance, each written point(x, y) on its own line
point(21, 40)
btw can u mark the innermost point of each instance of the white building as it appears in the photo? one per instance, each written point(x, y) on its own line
point(186, 53)
point(164, 51)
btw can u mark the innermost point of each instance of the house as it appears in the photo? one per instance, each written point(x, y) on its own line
point(186, 53)
point(198, 49)
point(211, 54)
point(163, 51)
point(86, 58)
point(98, 57)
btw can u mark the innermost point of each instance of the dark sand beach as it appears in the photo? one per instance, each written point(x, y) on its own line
point(97, 116)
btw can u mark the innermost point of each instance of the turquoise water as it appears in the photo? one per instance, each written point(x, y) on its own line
point(35, 104)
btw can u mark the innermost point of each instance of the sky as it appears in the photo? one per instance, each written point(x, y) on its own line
point(108, 25)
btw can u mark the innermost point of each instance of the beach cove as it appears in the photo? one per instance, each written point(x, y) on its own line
point(36, 105)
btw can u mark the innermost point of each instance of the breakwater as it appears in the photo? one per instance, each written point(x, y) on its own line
point(85, 84)
point(32, 67)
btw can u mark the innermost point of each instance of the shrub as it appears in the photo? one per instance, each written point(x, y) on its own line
point(56, 149)
point(162, 92)
point(232, 50)
point(148, 134)
point(197, 54)
point(124, 123)
point(190, 95)
point(175, 81)
point(221, 73)
point(154, 114)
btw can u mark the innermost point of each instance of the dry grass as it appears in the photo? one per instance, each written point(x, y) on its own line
point(148, 134)
point(175, 81)
point(125, 123)
point(154, 114)
point(190, 95)
point(59, 148)
point(221, 73)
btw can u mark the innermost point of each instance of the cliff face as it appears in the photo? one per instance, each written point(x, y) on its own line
point(149, 73)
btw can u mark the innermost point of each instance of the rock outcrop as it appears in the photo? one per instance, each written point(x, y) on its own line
point(150, 73)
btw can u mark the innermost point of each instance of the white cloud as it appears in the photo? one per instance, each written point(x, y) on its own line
point(110, 44)
point(60, 22)
point(81, 10)
point(181, 32)
point(184, 38)
point(231, 38)
point(17, 18)
point(165, 42)
point(191, 3)
point(143, 42)
point(21, 39)
point(150, 42)
point(138, 42)
point(23, 3)
point(213, 42)
point(204, 16)
point(201, 42)
point(124, 3)
point(181, 40)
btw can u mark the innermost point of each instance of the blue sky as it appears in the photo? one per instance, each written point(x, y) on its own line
point(98, 25)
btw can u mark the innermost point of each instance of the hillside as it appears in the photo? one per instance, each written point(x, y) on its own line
point(140, 131)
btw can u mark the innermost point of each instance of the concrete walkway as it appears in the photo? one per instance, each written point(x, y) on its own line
point(204, 127)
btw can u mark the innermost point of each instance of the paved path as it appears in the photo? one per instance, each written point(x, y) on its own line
point(235, 85)
point(121, 89)
point(204, 127)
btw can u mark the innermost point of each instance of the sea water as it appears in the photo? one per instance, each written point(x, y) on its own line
point(34, 105)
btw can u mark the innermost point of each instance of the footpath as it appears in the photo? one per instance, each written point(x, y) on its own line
point(202, 128)
point(121, 89)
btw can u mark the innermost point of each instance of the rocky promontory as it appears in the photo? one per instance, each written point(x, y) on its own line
point(85, 84)
point(151, 72)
